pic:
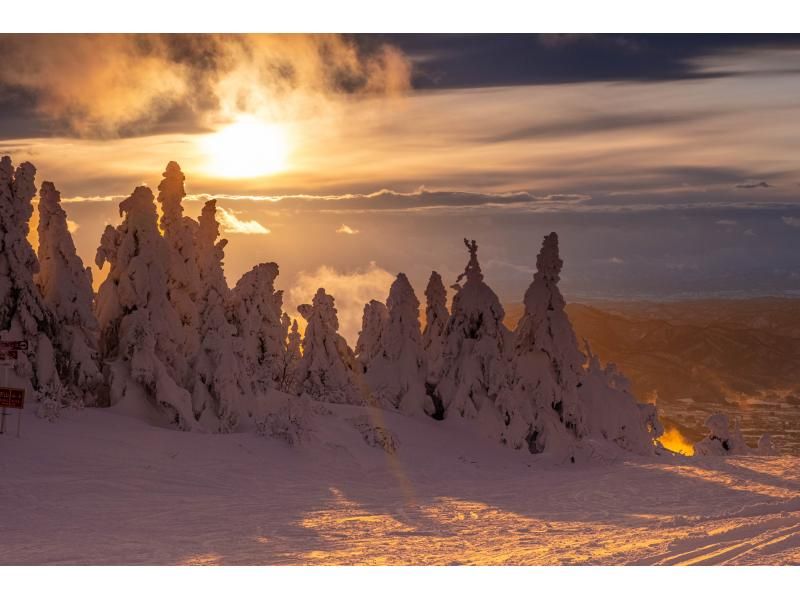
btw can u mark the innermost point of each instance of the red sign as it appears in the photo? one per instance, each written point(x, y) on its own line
point(13, 345)
point(13, 398)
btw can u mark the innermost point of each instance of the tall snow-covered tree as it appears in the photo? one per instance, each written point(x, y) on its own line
point(257, 312)
point(328, 370)
point(23, 314)
point(547, 364)
point(551, 402)
point(183, 273)
point(475, 339)
point(66, 287)
point(395, 369)
point(141, 333)
point(220, 368)
point(373, 326)
point(436, 317)
point(291, 356)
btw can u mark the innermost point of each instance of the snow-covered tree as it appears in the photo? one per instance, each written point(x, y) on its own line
point(373, 325)
point(474, 364)
point(183, 274)
point(23, 314)
point(294, 342)
point(257, 313)
point(766, 448)
point(291, 354)
point(721, 440)
point(436, 317)
point(328, 370)
point(551, 402)
point(540, 406)
point(391, 350)
point(66, 287)
point(610, 411)
point(220, 368)
point(141, 333)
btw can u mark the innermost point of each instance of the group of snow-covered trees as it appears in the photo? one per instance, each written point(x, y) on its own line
point(165, 337)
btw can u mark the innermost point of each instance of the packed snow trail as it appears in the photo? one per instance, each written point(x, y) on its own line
point(98, 487)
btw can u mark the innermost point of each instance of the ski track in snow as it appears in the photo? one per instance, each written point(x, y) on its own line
point(98, 487)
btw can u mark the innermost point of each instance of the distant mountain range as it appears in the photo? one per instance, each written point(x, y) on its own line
point(695, 357)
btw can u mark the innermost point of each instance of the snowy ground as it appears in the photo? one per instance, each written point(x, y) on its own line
point(103, 488)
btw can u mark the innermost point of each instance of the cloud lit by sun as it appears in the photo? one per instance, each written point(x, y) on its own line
point(231, 223)
point(246, 148)
point(347, 230)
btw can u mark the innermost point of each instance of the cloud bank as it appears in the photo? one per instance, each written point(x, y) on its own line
point(103, 85)
point(351, 290)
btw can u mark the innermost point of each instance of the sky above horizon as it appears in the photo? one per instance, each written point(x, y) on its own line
point(666, 163)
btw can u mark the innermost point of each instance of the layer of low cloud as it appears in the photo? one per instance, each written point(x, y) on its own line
point(753, 185)
point(351, 291)
point(231, 223)
point(387, 199)
point(347, 230)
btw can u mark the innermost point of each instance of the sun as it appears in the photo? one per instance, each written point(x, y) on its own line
point(246, 148)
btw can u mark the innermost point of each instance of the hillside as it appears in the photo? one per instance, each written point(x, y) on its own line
point(695, 357)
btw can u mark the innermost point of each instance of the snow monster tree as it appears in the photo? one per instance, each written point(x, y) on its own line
point(551, 401)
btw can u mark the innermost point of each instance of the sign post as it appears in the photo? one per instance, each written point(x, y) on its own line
point(11, 398)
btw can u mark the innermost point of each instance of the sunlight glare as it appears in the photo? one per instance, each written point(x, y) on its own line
point(247, 148)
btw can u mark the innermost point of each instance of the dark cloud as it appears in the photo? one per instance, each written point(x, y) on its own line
point(599, 123)
point(753, 185)
point(122, 85)
point(460, 61)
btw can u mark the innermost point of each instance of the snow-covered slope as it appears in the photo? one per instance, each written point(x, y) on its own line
point(104, 488)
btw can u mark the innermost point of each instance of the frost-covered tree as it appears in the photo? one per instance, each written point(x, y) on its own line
point(474, 365)
point(23, 314)
point(223, 387)
point(721, 440)
point(436, 317)
point(551, 402)
point(541, 402)
point(611, 413)
point(66, 287)
point(373, 325)
point(392, 352)
point(291, 355)
point(257, 313)
point(141, 333)
point(328, 370)
point(766, 448)
point(183, 274)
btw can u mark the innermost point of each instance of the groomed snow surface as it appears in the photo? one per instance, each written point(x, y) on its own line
point(369, 486)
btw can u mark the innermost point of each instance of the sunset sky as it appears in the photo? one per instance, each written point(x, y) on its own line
point(667, 164)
